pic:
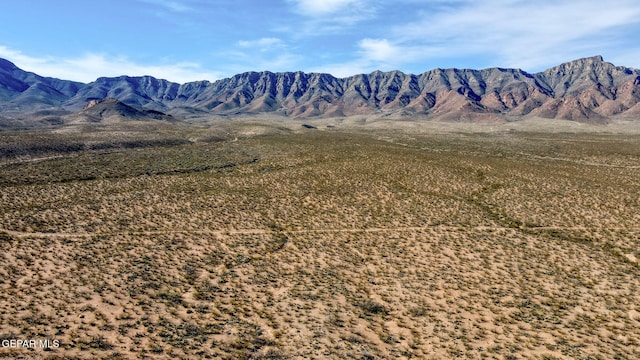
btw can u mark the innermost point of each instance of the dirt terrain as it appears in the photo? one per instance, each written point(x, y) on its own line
point(254, 241)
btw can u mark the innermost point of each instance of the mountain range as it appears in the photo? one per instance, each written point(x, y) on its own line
point(586, 90)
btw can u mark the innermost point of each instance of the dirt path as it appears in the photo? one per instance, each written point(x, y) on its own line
point(577, 161)
point(524, 154)
point(28, 160)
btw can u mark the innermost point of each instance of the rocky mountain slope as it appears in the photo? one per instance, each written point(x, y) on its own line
point(587, 90)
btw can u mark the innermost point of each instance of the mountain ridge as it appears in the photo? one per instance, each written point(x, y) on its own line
point(587, 90)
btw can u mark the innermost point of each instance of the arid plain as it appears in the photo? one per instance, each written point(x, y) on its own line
point(256, 240)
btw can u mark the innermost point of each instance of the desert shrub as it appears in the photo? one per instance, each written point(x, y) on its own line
point(206, 291)
point(373, 308)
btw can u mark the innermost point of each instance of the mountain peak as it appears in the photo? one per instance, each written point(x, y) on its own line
point(582, 62)
point(597, 58)
point(7, 65)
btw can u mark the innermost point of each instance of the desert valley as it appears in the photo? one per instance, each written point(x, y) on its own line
point(477, 214)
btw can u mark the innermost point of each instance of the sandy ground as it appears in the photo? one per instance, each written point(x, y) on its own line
point(497, 244)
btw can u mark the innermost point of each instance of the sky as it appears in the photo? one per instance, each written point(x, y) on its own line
point(191, 40)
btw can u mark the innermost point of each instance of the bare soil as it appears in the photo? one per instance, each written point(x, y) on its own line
point(251, 241)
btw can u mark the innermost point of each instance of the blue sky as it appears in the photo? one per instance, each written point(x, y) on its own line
point(188, 40)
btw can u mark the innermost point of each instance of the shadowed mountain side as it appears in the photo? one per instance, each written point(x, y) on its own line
point(586, 90)
point(25, 91)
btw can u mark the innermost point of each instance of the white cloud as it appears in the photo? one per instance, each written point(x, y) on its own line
point(506, 33)
point(520, 33)
point(20, 59)
point(379, 50)
point(323, 17)
point(263, 44)
point(324, 7)
point(90, 66)
point(174, 6)
point(240, 60)
point(342, 70)
point(375, 54)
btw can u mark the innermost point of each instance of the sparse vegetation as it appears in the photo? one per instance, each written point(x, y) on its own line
point(324, 244)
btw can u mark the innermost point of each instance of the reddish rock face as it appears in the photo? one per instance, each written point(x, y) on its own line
point(586, 90)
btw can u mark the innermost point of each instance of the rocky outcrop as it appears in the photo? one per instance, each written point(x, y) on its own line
point(111, 109)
